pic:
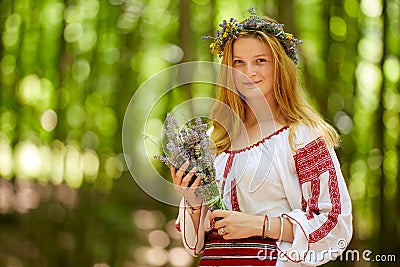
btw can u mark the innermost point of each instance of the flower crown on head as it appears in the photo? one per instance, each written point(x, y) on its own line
point(254, 23)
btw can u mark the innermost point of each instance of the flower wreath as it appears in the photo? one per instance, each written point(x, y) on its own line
point(232, 28)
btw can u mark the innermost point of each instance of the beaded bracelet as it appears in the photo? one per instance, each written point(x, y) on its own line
point(191, 209)
point(194, 211)
point(281, 229)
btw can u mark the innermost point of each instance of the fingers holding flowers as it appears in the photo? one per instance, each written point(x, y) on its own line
point(181, 183)
point(180, 172)
point(178, 177)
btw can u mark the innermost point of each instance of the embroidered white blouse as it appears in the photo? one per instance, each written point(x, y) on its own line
point(306, 186)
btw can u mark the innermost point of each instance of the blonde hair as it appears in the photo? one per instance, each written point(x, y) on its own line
point(294, 107)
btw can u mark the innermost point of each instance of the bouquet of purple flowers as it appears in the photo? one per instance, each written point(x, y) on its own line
point(191, 143)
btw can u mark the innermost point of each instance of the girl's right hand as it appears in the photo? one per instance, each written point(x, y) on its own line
point(182, 184)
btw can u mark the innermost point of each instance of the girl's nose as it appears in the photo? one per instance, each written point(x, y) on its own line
point(250, 70)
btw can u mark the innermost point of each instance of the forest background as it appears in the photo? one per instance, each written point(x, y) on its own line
point(68, 70)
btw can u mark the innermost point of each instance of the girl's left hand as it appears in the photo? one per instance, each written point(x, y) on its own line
point(236, 225)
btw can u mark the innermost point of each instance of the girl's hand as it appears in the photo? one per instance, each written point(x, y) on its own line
point(236, 225)
point(182, 184)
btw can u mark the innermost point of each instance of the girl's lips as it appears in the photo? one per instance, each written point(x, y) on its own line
point(251, 84)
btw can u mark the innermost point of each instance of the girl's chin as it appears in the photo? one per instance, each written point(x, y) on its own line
point(251, 95)
point(254, 91)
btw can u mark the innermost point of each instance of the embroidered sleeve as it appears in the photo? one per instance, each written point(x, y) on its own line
point(324, 222)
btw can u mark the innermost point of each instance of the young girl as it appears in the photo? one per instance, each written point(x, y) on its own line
point(287, 201)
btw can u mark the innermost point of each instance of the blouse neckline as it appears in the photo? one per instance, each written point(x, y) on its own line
point(277, 132)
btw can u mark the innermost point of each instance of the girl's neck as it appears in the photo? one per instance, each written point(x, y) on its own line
point(260, 110)
point(261, 120)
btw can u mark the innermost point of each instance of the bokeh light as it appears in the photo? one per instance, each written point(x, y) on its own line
point(159, 239)
point(178, 256)
point(49, 120)
point(28, 160)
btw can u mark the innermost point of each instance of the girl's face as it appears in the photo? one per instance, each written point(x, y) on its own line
point(254, 61)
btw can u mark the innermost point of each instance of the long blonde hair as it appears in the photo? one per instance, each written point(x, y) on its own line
point(293, 105)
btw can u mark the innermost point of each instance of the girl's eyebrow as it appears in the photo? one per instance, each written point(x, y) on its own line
point(258, 55)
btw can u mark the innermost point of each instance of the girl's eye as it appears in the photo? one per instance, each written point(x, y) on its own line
point(261, 60)
point(237, 61)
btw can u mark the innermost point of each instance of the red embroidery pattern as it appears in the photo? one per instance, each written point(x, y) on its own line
point(228, 167)
point(312, 161)
point(234, 199)
point(259, 142)
point(252, 251)
point(310, 216)
point(178, 227)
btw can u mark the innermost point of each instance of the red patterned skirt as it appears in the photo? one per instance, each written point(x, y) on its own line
point(253, 251)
